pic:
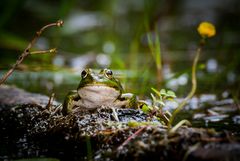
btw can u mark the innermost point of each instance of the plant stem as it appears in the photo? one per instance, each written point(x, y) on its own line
point(194, 86)
point(155, 50)
point(158, 59)
point(27, 52)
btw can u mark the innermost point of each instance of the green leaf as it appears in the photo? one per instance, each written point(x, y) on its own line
point(170, 94)
point(170, 99)
point(163, 92)
point(146, 109)
point(156, 91)
point(153, 98)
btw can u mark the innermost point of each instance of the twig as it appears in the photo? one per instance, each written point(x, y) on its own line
point(27, 52)
point(131, 137)
point(50, 101)
point(54, 50)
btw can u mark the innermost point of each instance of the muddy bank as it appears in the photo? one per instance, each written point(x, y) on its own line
point(29, 130)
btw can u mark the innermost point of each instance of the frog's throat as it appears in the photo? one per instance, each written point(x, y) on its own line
point(98, 94)
point(95, 96)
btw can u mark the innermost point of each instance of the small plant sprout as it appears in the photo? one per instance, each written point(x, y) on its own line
point(206, 30)
point(159, 99)
point(162, 95)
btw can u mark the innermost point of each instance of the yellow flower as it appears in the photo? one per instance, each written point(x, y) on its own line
point(206, 29)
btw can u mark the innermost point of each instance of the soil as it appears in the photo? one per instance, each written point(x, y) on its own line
point(31, 129)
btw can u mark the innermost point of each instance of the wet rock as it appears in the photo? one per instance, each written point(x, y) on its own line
point(11, 95)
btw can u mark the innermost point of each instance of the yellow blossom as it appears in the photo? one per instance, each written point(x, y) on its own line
point(206, 29)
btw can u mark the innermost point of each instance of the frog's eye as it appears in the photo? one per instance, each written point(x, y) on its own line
point(84, 74)
point(108, 73)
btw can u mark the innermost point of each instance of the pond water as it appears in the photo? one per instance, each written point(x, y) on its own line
point(99, 35)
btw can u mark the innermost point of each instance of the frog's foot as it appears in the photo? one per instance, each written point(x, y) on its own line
point(127, 100)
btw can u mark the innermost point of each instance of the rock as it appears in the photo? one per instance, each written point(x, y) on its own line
point(11, 95)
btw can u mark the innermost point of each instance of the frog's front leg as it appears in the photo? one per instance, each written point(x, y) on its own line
point(70, 101)
point(128, 100)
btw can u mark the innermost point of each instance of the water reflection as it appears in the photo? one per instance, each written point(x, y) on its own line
point(212, 65)
point(236, 119)
point(174, 83)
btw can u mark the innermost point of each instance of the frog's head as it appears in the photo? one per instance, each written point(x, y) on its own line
point(104, 78)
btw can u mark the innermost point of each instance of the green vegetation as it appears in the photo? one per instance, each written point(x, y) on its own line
point(158, 102)
point(206, 30)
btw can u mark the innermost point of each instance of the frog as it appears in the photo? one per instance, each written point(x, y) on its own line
point(97, 90)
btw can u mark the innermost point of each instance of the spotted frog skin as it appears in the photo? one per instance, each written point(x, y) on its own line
point(97, 90)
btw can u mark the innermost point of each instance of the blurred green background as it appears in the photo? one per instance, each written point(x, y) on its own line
point(104, 33)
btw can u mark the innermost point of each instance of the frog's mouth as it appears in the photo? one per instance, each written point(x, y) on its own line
point(100, 86)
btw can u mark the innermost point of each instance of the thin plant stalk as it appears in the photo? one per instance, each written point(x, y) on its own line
point(158, 59)
point(182, 122)
point(206, 30)
point(155, 49)
point(194, 86)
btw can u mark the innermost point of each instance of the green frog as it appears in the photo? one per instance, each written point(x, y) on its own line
point(98, 90)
